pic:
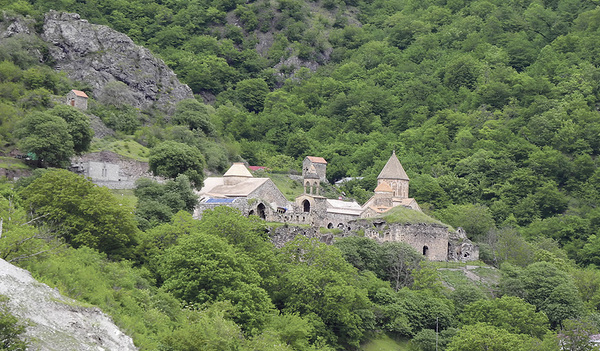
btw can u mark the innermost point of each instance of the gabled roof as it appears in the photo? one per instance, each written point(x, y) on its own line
point(316, 159)
point(79, 93)
point(393, 169)
point(238, 169)
point(214, 187)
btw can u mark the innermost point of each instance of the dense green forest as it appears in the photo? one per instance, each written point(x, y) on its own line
point(492, 106)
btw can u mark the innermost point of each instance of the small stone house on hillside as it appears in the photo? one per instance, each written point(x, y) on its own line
point(77, 99)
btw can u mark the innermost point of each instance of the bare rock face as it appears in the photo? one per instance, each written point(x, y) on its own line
point(58, 322)
point(98, 55)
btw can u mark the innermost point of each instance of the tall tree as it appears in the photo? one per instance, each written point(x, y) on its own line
point(82, 212)
point(46, 137)
point(170, 158)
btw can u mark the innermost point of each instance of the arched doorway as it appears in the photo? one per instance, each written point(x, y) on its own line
point(306, 205)
point(330, 226)
point(425, 250)
point(260, 211)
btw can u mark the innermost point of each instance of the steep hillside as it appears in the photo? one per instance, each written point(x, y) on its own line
point(101, 58)
point(56, 322)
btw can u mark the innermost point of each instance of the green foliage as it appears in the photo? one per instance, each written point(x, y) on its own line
point(170, 158)
point(509, 313)
point(47, 138)
point(203, 268)
point(546, 287)
point(318, 283)
point(11, 329)
point(79, 127)
point(157, 203)
point(124, 292)
point(81, 212)
point(194, 115)
point(476, 220)
point(407, 312)
point(482, 336)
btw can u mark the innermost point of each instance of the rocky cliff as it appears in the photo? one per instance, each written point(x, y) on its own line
point(57, 322)
point(97, 55)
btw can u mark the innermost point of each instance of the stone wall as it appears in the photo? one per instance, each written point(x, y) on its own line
point(281, 235)
point(431, 240)
point(460, 248)
point(338, 220)
point(78, 102)
point(101, 171)
point(269, 192)
point(432, 236)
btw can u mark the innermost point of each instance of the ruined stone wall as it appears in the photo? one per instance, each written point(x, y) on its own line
point(431, 240)
point(460, 248)
point(281, 235)
point(337, 220)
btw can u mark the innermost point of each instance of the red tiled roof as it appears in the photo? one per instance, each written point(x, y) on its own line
point(79, 93)
point(256, 168)
point(316, 159)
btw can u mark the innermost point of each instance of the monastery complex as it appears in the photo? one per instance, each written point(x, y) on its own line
point(259, 196)
point(238, 188)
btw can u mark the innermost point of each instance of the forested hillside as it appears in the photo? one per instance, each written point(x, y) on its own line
point(493, 108)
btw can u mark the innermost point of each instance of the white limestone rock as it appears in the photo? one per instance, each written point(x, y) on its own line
point(58, 322)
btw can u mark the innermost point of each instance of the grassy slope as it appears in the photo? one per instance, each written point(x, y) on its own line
point(385, 343)
point(402, 214)
point(127, 148)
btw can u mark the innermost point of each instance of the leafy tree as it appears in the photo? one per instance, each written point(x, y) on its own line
point(194, 115)
point(407, 312)
point(317, 282)
point(208, 329)
point(20, 239)
point(158, 202)
point(509, 313)
point(79, 126)
point(476, 220)
point(545, 286)
point(363, 253)
point(576, 336)
point(482, 336)
point(427, 340)
point(47, 138)
point(83, 213)
point(170, 158)
point(252, 93)
point(399, 261)
point(204, 268)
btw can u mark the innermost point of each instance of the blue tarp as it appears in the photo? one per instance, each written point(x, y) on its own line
point(219, 201)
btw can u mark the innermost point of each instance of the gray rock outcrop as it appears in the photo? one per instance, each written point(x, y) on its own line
point(58, 322)
point(98, 55)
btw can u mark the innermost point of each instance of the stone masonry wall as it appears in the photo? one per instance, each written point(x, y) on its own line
point(429, 239)
point(269, 192)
